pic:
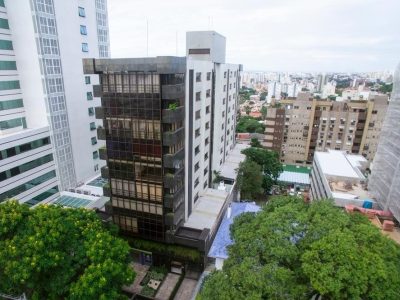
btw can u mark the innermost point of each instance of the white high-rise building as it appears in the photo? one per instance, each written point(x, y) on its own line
point(274, 91)
point(211, 121)
point(27, 166)
point(51, 37)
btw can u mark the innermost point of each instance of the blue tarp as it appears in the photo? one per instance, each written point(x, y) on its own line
point(223, 239)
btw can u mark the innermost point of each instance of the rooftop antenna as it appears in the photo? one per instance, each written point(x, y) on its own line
point(147, 37)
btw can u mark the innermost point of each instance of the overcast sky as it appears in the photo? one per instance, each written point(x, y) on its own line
point(270, 35)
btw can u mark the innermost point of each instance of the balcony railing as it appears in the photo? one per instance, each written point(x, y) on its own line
point(101, 133)
point(105, 173)
point(99, 112)
point(103, 153)
point(173, 115)
point(175, 160)
point(171, 138)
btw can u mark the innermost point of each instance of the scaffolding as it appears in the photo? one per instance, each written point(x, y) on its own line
point(384, 182)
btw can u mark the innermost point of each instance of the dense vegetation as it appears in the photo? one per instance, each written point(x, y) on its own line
point(292, 250)
point(249, 124)
point(54, 253)
point(386, 88)
point(245, 93)
point(258, 172)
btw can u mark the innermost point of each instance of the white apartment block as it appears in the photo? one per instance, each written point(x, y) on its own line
point(212, 88)
point(27, 166)
point(340, 176)
point(51, 37)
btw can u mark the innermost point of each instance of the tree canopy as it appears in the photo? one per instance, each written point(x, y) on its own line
point(293, 250)
point(269, 163)
point(250, 125)
point(54, 253)
point(249, 180)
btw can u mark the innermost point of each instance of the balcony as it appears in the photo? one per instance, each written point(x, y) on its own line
point(173, 92)
point(103, 153)
point(101, 133)
point(173, 115)
point(174, 218)
point(107, 190)
point(171, 180)
point(105, 173)
point(170, 138)
point(97, 91)
point(99, 112)
point(174, 161)
point(174, 200)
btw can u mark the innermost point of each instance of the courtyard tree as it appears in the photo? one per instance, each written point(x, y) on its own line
point(293, 250)
point(249, 180)
point(54, 253)
point(269, 163)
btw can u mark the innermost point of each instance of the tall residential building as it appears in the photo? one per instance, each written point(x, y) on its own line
point(27, 167)
point(296, 128)
point(169, 122)
point(384, 181)
point(50, 39)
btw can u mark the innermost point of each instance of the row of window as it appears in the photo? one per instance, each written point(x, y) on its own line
point(6, 65)
point(18, 122)
point(43, 196)
point(25, 167)
point(10, 152)
point(9, 85)
point(26, 186)
point(11, 104)
point(4, 24)
point(6, 45)
point(198, 76)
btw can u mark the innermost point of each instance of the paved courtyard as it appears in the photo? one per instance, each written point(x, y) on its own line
point(186, 289)
point(167, 287)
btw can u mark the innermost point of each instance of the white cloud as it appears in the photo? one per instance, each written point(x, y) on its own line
point(314, 35)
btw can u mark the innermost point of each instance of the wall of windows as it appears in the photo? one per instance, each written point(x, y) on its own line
point(137, 189)
point(8, 65)
point(25, 167)
point(9, 85)
point(26, 186)
point(10, 152)
point(13, 123)
point(43, 196)
point(11, 104)
point(4, 24)
point(6, 45)
point(2, 3)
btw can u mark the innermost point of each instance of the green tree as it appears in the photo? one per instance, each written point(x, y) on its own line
point(293, 250)
point(250, 125)
point(249, 180)
point(269, 163)
point(254, 142)
point(54, 253)
point(263, 112)
point(263, 96)
point(247, 109)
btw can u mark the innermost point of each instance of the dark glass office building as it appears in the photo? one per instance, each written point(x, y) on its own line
point(143, 115)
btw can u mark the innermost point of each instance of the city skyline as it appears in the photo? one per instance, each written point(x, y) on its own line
point(324, 36)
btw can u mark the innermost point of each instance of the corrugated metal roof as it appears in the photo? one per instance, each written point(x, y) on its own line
point(292, 177)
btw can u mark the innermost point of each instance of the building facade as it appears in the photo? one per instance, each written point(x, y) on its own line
point(168, 123)
point(384, 181)
point(296, 128)
point(27, 165)
point(50, 39)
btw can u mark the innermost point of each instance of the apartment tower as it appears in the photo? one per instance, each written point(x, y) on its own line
point(296, 128)
point(168, 123)
point(27, 166)
point(50, 38)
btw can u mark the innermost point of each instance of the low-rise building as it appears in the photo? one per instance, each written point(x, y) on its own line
point(340, 176)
